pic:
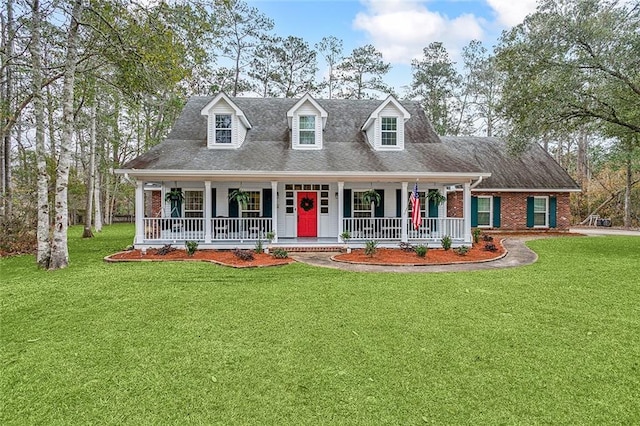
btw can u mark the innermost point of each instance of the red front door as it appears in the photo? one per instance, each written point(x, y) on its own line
point(307, 214)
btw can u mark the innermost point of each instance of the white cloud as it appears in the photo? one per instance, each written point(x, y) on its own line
point(400, 29)
point(512, 12)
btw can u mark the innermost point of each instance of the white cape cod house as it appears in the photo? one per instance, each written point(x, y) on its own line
point(305, 166)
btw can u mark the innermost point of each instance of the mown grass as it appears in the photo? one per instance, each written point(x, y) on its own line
point(193, 343)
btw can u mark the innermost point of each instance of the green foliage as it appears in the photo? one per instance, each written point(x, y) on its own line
point(476, 235)
point(174, 195)
point(241, 197)
point(370, 247)
point(362, 71)
point(270, 236)
point(280, 253)
point(243, 254)
point(436, 197)
point(346, 236)
point(191, 247)
point(421, 250)
point(446, 242)
point(258, 248)
point(371, 196)
point(462, 250)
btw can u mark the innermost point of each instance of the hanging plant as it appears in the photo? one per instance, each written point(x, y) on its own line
point(242, 197)
point(174, 195)
point(371, 196)
point(436, 197)
point(306, 204)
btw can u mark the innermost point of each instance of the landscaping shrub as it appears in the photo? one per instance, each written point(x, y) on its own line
point(370, 248)
point(487, 237)
point(280, 253)
point(166, 249)
point(258, 248)
point(462, 250)
point(421, 250)
point(243, 254)
point(490, 247)
point(191, 246)
point(406, 246)
point(446, 242)
point(476, 235)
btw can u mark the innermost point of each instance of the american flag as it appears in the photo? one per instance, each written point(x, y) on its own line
point(415, 207)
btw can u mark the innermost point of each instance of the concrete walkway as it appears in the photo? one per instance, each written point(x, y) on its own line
point(518, 254)
point(602, 230)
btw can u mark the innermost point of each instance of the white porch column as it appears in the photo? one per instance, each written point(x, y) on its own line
point(274, 209)
point(466, 209)
point(139, 212)
point(340, 208)
point(403, 208)
point(207, 211)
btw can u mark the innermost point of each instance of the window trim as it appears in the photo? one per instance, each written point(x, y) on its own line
point(307, 130)
point(490, 198)
point(216, 129)
point(185, 204)
point(371, 210)
point(546, 211)
point(242, 210)
point(393, 132)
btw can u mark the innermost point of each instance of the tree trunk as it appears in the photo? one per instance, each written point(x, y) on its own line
point(98, 206)
point(8, 95)
point(90, 175)
point(627, 195)
point(43, 255)
point(59, 247)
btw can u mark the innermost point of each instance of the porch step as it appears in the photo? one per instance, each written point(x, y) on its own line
point(299, 249)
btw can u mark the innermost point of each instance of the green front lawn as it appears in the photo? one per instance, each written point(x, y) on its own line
point(195, 343)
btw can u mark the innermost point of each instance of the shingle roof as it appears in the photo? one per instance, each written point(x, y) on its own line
point(534, 169)
point(268, 143)
point(267, 148)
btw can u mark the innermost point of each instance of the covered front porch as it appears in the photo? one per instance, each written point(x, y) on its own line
point(296, 213)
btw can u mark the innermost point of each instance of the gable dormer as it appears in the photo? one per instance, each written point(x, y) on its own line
point(227, 125)
point(385, 126)
point(307, 120)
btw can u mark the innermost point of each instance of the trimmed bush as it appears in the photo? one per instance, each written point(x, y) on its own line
point(191, 246)
point(421, 250)
point(280, 253)
point(370, 247)
point(243, 254)
point(462, 250)
point(446, 242)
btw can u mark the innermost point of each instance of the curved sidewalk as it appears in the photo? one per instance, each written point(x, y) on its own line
point(518, 254)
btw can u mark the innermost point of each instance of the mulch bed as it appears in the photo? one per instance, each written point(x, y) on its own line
point(388, 256)
point(221, 257)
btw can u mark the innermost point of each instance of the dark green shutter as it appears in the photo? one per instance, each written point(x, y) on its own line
point(379, 209)
point(496, 212)
point(346, 195)
point(233, 205)
point(553, 211)
point(432, 206)
point(267, 199)
point(398, 203)
point(176, 205)
point(530, 205)
point(214, 202)
point(474, 212)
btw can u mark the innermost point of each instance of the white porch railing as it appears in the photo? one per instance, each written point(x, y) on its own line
point(436, 228)
point(174, 228)
point(246, 228)
point(389, 228)
point(373, 228)
point(193, 229)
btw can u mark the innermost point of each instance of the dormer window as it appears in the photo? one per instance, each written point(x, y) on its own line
point(307, 129)
point(223, 128)
point(389, 130)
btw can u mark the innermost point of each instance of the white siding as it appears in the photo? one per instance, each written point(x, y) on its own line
point(238, 130)
point(306, 109)
point(389, 111)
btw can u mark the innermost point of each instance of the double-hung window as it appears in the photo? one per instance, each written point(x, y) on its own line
point(484, 211)
point(252, 208)
point(389, 128)
point(307, 129)
point(193, 204)
point(540, 212)
point(223, 128)
point(360, 208)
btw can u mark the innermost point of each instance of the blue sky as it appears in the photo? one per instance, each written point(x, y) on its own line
point(400, 29)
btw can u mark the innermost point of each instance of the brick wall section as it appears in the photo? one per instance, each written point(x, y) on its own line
point(513, 208)
point(156, 203)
